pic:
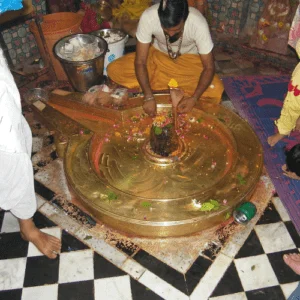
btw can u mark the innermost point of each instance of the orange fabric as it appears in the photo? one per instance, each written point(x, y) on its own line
point(186, 70)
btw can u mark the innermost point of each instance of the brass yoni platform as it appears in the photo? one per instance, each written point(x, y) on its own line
point(116, 177)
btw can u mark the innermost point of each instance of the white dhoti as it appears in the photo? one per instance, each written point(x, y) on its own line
point(16, 173)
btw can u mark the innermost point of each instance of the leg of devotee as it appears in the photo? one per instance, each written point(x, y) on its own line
point(17, 195)
point(293, 261)
point(47, 244)
point(122, 71)
point(186, 69)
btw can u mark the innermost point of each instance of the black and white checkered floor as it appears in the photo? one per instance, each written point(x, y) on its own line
point(254, 270)
point(248, 266)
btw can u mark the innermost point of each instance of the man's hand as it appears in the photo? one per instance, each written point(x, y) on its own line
point(150, 107)
point(186, 105)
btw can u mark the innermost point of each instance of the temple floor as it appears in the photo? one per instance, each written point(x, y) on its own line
point(235, 262)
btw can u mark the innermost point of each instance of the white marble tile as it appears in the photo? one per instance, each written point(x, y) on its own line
point(274, 237)
point(288, 288)
point(230, 249)
point(12, 272)
point(58, 216)
point(45, 292)
point(255, 272)
point(114, 288)
point(40, 201)
point(33, 251)
point(10, 223)
point(237, 296)
point(37, 144)
point(160, 287)
point(133, 268)
point(76, 266)
point(101, 247)
point(211, 278)
point(54, 178)
point(281, 209)
point(241, 235)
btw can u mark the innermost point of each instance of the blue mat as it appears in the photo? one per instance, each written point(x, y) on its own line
point(259, 99)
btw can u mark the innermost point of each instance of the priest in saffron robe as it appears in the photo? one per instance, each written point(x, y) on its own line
point(173, 41)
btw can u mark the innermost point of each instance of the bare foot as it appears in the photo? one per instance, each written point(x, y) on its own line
point(293, 261)
point(289, 173)
point(274, 139)
point(47, 244)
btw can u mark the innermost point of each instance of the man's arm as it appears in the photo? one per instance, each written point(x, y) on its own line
point(206, 76)
point(140, 64)
point(205, 80)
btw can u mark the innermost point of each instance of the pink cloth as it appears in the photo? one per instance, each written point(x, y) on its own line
point(294, 34)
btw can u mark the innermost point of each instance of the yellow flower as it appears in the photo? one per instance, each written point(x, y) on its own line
point(264, 37)
point(280, 24)
point(117, 134)
point(173, 83)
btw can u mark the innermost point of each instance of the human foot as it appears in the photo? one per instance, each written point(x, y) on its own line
point(293, 261)
point(47, 244)
point(274, 139)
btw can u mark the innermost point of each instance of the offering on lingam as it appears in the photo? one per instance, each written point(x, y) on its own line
point(163, 137)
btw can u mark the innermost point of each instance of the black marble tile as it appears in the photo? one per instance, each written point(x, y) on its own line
point(12, 245)
point(212, 250)
point(270, 215)
point(42, 221)
point(70, 243)
point(2, 213)
point(53, 155)
point(82, 290)
point(105, 269)
point(283, 272)
point(41, 270)
point(140, 292)
point(293, 233)
point(128, 248)
point(162, 270)
point(251, 247)
point(49, 140)
point(43, 191)
point(271, 293)
point(196, 272)
point(11, 294)
point(229, 284)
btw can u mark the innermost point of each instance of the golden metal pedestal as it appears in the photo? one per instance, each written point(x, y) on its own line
point(117, 178)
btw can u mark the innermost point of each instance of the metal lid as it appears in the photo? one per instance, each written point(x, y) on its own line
point(104, 33)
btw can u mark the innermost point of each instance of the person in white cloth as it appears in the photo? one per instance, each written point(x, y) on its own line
point(16, 177)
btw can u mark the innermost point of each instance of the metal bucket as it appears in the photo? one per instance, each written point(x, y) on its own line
point(83, 74)
point(115, 48)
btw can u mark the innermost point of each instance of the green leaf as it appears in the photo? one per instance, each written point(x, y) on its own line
point(146, 204)
point(253, 267)
point(222, 120)
point(157, 130)
point(214, 202)
point(227, 216)
point(135, 157)
point(206, 206)
point(87, 131)
point(112, 196)
point(241, 179)
point(88, 237)
point(169, 125)
point(199, 120)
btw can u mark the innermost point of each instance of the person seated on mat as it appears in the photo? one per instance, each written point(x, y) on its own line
point(181, 49)
point(290, 113)
point(291, 168)
point(16, 176)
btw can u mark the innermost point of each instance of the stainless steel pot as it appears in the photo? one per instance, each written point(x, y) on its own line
point(83, 74)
